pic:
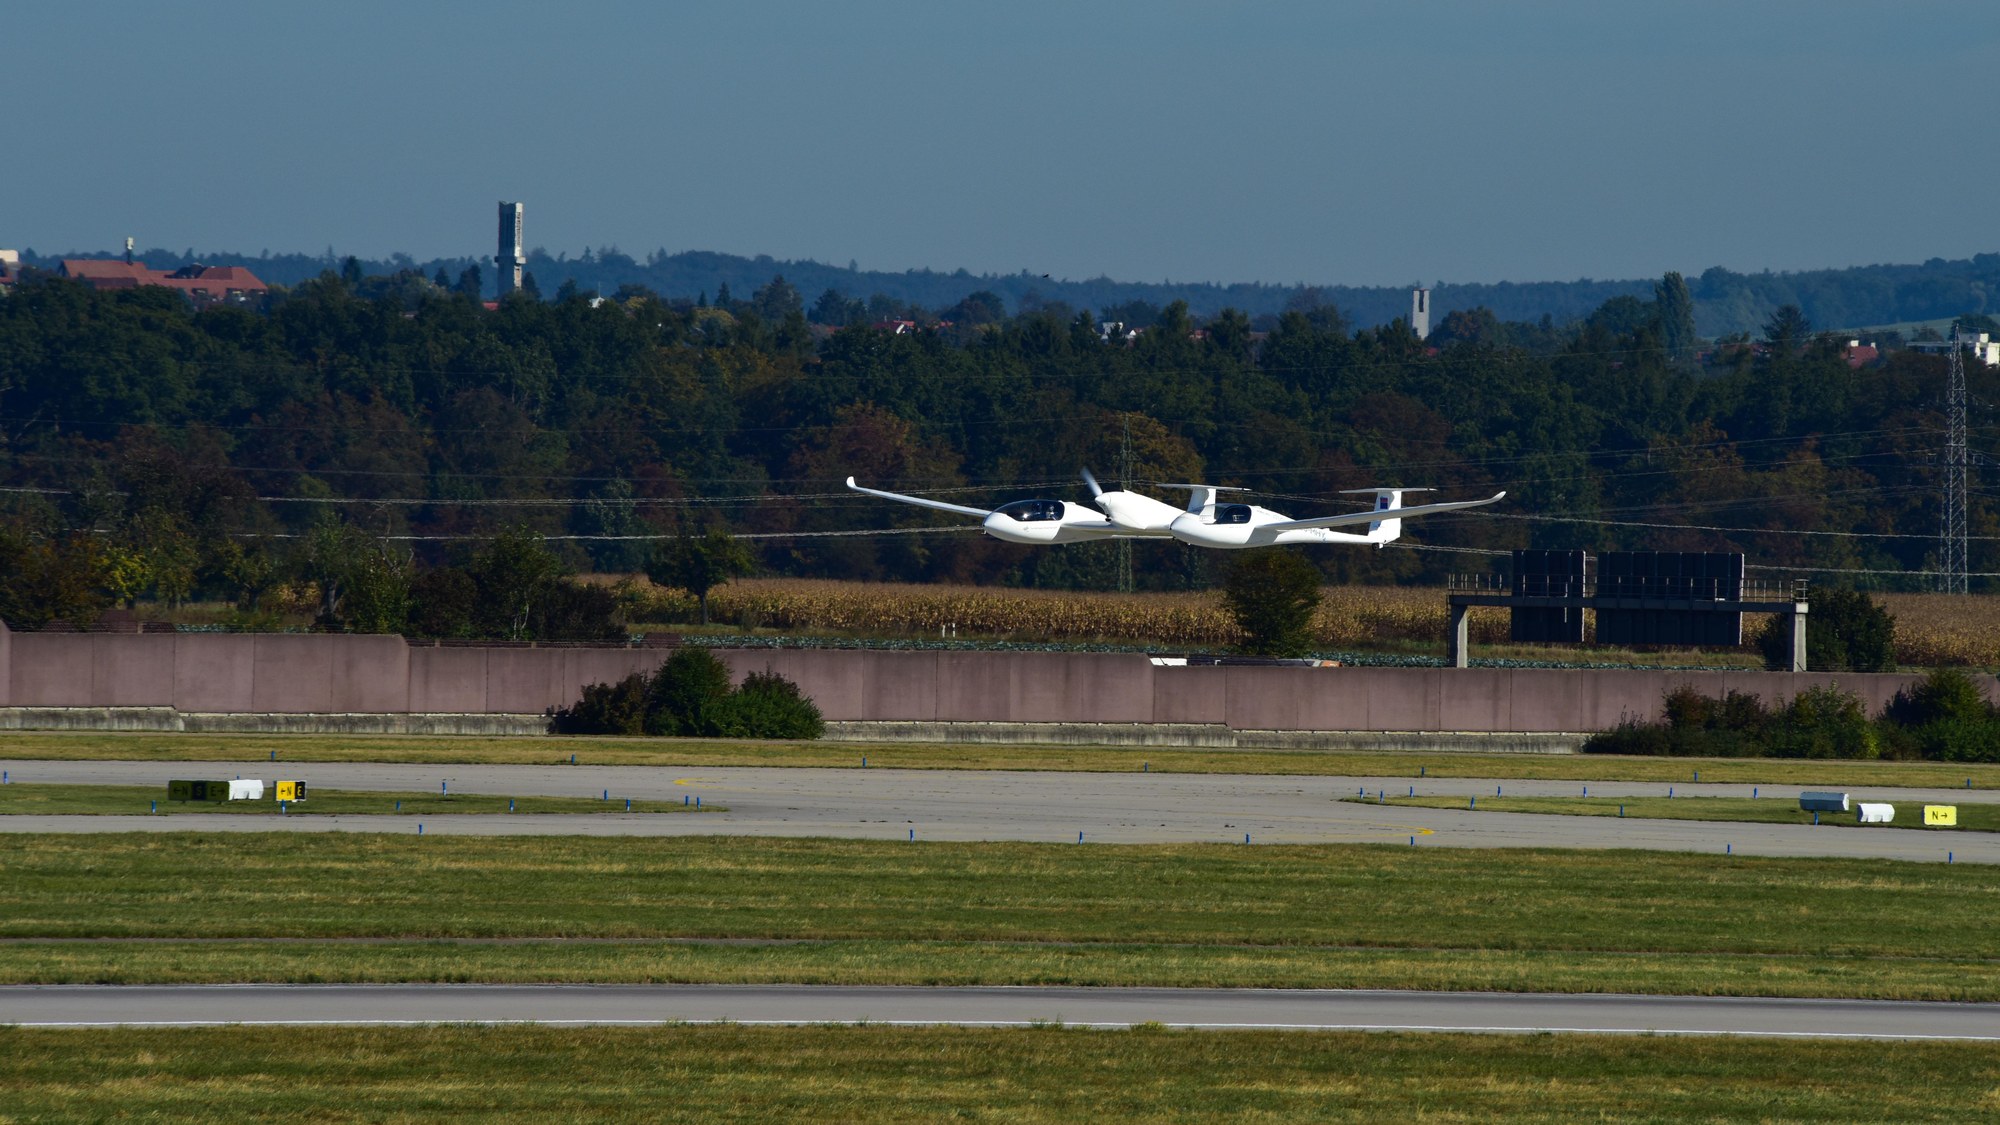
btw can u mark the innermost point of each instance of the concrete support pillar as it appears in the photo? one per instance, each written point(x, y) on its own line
point(1798, 646)
point(1458, 641)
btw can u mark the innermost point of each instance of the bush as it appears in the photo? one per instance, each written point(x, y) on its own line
point(1959, 740)
point(689, 695)
point(1845, 632)
point(442, 602)
point(1945, 695)
point(767, 706)
point(1823, 722)
point(571, 611)
point(1631, 737)
point(1694, 726)
point(684, 694)
point(618, 708)
point(1272, 593)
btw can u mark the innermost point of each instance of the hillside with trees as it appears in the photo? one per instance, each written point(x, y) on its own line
point(150, 451)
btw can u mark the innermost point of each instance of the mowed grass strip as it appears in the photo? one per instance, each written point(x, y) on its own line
point(111, 800)
point(1045, 1074)
point(1767, 810)
point(871, 962)
point(1209, 914)
point(545, 751)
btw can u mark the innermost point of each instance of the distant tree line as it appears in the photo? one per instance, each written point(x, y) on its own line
point(1724, 301)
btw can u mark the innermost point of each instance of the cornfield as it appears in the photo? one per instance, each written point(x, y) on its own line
point(1938, 629)
point(1348, 616)
point(1931, 629)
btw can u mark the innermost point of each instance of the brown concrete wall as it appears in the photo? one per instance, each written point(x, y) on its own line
point(319, 675)
point(447, 681)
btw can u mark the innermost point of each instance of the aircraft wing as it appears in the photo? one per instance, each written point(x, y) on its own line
point(921, 502)
point(1387, 514)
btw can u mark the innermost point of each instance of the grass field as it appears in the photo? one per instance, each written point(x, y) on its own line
point(110, 800)
point(78, 746)
point(1024, 1075)
point(395, 908)
point(1769, 810)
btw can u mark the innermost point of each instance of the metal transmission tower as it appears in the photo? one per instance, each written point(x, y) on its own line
point(1125, 477)
point(1951, 532)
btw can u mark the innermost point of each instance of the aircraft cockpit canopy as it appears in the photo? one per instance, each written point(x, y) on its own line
point(1032, 511)
point(1232, 513)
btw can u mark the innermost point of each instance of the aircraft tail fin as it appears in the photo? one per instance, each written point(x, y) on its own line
point(1385, 520)
point(1201, 497)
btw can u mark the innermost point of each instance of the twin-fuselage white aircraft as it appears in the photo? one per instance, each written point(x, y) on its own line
point(1204, 522)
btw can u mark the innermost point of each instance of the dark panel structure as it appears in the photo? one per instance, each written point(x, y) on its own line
point(1548, 574)
point(1670, 576)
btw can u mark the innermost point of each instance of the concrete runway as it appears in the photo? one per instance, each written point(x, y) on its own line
point(1029, 805)
point(1322, 1010)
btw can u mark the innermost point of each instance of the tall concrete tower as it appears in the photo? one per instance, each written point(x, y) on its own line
point(1420, 313)
point(512, 258)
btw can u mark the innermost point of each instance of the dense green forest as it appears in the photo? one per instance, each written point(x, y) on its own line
point(205, 449)
point(1725, 301)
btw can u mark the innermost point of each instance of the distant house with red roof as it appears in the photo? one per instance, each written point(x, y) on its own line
point(203, 285)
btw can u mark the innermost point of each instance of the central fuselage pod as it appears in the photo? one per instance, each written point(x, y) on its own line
point(1047, 521)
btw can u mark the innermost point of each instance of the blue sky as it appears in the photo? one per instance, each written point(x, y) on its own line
point(1330, 143)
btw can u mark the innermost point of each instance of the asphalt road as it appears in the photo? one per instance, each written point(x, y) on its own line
point(1026, 805)
point(190, 1005)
